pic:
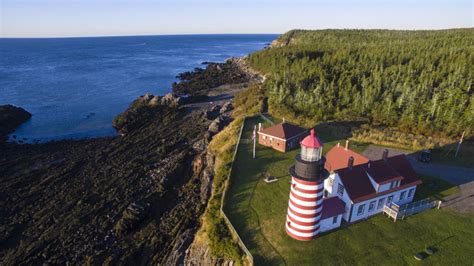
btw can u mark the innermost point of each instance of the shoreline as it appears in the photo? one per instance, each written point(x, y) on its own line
point(238, 62)
point(159, 156)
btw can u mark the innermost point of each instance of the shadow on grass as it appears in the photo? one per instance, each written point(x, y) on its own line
point(433, 187)
point(331, 131)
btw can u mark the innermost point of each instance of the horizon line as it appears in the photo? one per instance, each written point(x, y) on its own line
point(190, 34)
point(135, 35)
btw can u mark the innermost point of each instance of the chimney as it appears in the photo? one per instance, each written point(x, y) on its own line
point(283, 120)
point(259, 126)
point(338, 144)
point(385, 154)
point(350, 163)
point(347, 144)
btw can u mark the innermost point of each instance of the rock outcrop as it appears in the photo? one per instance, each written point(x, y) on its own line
point(10, 118)
point(199, 81)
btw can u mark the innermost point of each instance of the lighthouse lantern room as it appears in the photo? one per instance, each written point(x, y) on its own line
point(306, 195)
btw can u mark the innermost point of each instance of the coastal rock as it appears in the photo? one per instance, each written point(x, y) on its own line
point(214, 126)
point(171, 99)
point(10, 118)
point(142, 109)
point(131, 217)
point(226, 107)
point(218, 124)
point(200, 81)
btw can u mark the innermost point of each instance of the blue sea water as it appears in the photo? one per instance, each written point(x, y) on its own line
point(74, 87)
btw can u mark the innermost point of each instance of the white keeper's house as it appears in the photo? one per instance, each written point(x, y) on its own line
point(343, 186)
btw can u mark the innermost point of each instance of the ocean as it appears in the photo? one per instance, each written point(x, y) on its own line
point(74, 87)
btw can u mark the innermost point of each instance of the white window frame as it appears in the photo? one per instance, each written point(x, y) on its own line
point(402, 195)
point(389, 199)
point(410, 192)
point(372, 205)
point(360, 209)
point(380, 203)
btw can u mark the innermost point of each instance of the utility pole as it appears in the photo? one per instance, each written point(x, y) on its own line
point(459, 145)
point(254, 137)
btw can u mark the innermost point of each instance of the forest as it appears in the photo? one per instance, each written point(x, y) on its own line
point(419, 82)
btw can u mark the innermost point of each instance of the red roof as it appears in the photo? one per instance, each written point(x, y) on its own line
point(359, 187)
point(283, 130)
point(401, 164)
point(338, 158)
point(312, 141)
point(331, 207)
point(381, 172)
point(356, 182)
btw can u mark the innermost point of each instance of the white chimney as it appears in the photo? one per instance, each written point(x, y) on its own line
point(347, 144)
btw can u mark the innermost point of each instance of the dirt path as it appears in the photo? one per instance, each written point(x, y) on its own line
point(453, 174)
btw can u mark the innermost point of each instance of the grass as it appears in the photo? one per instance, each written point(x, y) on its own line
point(258, 210)
point(214, 230)
point(445, 154)
point(435, 188)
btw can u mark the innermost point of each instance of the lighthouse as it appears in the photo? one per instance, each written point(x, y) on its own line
point(306, 196)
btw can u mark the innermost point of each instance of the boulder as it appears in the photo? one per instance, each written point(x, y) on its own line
point(171, 99)
point(131, 217)
point(226, 107)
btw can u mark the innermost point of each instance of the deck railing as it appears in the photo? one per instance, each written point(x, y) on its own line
point(400, 211)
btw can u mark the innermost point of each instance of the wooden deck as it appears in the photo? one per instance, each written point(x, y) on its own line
point(397, 212)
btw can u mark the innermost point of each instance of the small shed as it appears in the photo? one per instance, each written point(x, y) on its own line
point(282, 137)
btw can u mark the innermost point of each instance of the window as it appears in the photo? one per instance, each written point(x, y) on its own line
point(389, 200)
point(340, 190)
point(410, 193)
point(360, 210)
point(372, 205)
point(393, 184)
point(402, 196)
point(334, 220)
point(326, 193)
point(380, 204)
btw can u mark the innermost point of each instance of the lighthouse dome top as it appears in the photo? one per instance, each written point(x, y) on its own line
point(312, 141)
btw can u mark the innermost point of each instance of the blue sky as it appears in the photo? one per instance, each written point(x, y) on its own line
point(55, 18)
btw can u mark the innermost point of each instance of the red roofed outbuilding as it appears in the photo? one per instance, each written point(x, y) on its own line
point(282, 137)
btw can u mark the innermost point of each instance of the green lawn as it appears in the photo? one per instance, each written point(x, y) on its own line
point(258, 211)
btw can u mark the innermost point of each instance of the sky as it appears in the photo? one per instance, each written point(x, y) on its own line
point(65, 18)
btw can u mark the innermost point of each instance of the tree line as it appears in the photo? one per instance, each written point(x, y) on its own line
point(417, 81)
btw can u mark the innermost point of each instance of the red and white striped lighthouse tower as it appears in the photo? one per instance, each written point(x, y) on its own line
point(307, 185)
